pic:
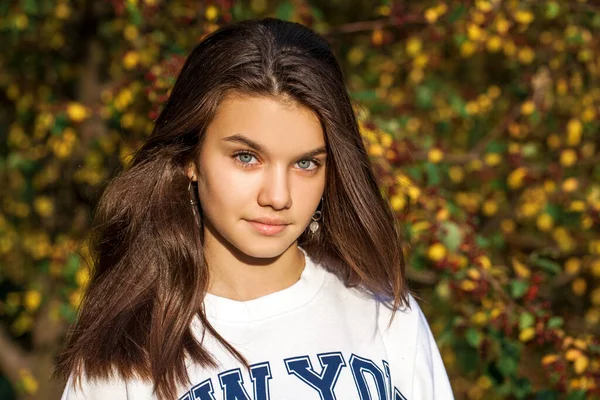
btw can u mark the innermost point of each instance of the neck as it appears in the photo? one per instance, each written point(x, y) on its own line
point(237, 276)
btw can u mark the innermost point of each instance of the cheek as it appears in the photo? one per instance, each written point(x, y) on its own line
point(222, 187)
point(308, 196)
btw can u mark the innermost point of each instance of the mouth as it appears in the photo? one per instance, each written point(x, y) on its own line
point(267, 228)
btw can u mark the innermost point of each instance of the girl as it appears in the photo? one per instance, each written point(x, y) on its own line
point(247, 253)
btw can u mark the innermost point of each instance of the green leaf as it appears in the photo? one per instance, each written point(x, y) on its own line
point(317, 13)
point(577, 395)
point(134, 13)
point(454, 237)
point(549, 265)
point(60, 123)
point(434, 176)
point(546, 395)
point(496, 147)
point(552, 10)
point(285, 10)
point(68, 312)
point(522, 388)
point(482, 241)
point(526, 320)
point(72, 265)
point(529, 150)
point(518, 289)
point(457, 13)
point(497, 240)
point(424, 96)
point(365, 95)
point(458, 105)
point(473, 337)
point(553, 210)
point(555, 322)
point(507, 366)
point(30, 7)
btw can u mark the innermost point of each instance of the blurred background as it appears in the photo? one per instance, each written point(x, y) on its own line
point(481, 117)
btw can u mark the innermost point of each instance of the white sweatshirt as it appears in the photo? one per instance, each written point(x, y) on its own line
point(315, 340)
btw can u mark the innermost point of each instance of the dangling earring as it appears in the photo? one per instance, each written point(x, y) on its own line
point(193, 202)
point(314, 225)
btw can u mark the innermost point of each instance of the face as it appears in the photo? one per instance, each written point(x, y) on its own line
point(261, 175)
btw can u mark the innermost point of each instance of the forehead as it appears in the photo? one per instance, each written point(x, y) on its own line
point(271, 122)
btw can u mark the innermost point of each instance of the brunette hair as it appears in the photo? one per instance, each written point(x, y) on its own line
point(149, 275)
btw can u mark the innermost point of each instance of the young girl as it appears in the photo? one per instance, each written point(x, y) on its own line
point(247, 253)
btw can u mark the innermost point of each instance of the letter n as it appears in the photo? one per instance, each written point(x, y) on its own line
point(232, 385)
point(202, 391)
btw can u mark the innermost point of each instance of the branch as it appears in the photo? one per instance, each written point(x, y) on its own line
point(367, 26)
point(12, 357)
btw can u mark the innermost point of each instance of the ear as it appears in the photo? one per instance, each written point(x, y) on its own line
point(192, 171)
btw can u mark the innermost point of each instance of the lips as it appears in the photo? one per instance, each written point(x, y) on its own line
point(268, 226)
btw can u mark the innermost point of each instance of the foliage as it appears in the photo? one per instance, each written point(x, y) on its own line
point(481, 118)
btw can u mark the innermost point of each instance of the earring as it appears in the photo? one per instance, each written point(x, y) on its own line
point(314, 225)
point(193, 202)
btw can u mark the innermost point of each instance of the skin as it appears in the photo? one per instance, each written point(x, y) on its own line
point(238, 183)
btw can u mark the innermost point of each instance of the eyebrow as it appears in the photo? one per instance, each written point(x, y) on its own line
point(238, 138)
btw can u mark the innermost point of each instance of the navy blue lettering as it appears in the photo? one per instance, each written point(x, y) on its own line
point(232, 385)
point(359, 367)
point(261, 374)
point(203, 391)
point(398, 395)
point(324, 383)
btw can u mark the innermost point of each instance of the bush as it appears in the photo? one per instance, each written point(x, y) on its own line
point(481, 118)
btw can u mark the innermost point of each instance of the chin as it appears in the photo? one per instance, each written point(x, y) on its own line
point(264, 248)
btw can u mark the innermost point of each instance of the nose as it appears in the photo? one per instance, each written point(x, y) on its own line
point(275, 190)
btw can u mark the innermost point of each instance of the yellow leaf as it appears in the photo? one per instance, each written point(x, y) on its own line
point(431, 15)
point(573, 266)
point(414, 46)
point(570, 185)
point(397, 202)
point(211, 13)
point(131, 59)
point(549, 359)
point(32, 300)
point(545, 222)
point(574, 130)
point(527, 334)
point(77, 112)
point(581, 364)
point(28, 382)
point(468, 286)
point(520, 269)
point(515, 179)
point(456, 174)
point(437, 252)
point(435, 155)
point(568, 157)
point(474, 274)
point(528, 107)
point(524, 17)
point(484, 261)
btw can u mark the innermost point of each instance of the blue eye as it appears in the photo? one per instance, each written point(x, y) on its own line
point(244, 158)
point(305, 165)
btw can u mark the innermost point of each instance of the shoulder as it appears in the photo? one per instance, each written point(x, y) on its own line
point(410, 337)
point(409, 343)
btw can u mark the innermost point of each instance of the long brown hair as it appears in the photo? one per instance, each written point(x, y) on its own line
point(149, 274)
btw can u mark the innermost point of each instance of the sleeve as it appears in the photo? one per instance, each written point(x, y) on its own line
point(430, 381)
point(113, 389)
